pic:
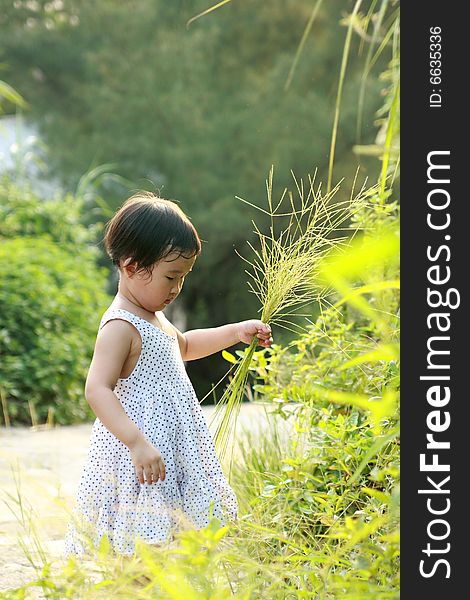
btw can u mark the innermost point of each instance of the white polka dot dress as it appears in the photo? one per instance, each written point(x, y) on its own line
point(159, 397)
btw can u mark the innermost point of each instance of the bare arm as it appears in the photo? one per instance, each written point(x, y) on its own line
point(113, 344)
point(199, 343)
point(203, 342)
point(112, 347)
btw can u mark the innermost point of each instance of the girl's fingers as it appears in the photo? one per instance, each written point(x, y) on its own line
point(148, 474)
point(265, 337)
point(159, 471)
point(152, 473)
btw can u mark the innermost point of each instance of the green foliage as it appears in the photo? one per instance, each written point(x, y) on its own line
point(51, 293)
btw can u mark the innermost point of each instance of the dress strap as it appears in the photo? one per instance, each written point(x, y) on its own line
point(125, 315)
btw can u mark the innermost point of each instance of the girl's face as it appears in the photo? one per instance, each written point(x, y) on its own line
point(165, 284)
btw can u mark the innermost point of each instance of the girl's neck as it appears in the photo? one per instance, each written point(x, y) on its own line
point(126, 300)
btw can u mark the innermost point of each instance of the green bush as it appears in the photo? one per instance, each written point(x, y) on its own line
point(23, 214)
point(52, 299)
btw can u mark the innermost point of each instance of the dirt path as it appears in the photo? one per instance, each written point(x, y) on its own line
point(39, 474)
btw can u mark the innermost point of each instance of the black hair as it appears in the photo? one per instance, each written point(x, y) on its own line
point(147, 229)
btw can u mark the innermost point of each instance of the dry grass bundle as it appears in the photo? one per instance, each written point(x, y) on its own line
point(284, 274)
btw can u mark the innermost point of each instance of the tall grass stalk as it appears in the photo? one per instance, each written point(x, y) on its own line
point(301, 45)
point(390, 131)
point(11, 95)
point(339, 95)
point(206, 12)
point(282, 274)
point(368, 63)
point(6, 416)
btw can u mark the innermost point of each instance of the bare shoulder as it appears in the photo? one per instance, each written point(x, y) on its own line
point(118, 331)
point(115, 342)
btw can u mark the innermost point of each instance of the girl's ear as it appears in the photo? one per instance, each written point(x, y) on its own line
point(129, 267)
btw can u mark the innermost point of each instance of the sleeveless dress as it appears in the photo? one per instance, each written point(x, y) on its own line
point(159, 397)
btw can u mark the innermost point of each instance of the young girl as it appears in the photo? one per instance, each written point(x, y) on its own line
point(151, 467)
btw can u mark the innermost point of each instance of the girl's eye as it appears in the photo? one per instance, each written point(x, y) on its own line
point(171, 278)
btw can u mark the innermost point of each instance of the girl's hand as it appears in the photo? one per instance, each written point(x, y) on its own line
point(147, 459)
point(248, 329)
